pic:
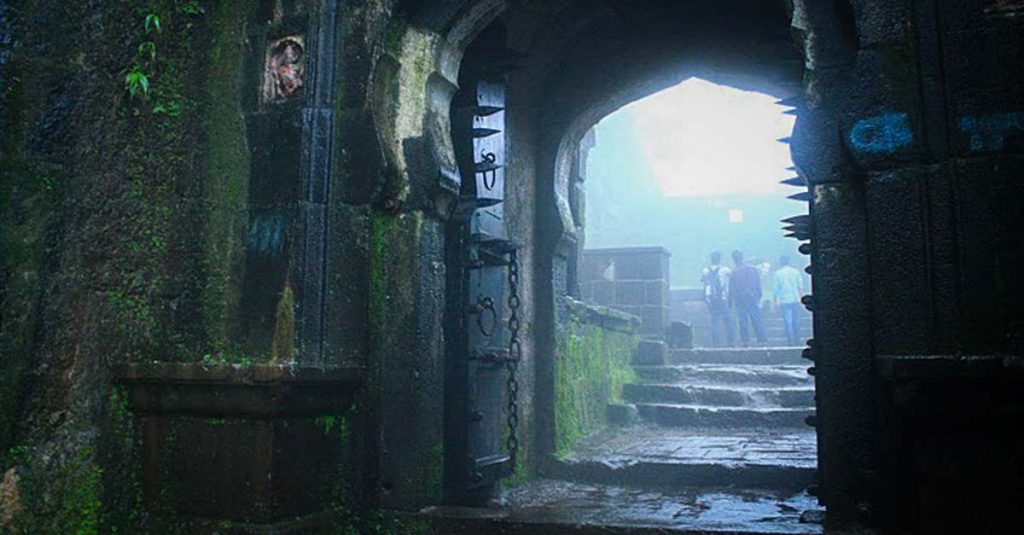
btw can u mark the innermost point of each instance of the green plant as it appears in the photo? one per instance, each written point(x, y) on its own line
point(190, 7)
point(172, 108)
point(152, 23)
point(147, 48)
point(137, 82)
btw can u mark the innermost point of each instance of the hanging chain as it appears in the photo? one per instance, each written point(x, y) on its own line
point(515, 354)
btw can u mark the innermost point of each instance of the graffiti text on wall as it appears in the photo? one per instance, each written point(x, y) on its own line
point(881, 134)
point(988, 132)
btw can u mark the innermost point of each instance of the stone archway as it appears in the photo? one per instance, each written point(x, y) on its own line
point(585, 61)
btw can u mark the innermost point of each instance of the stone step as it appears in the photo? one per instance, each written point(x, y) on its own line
point(760, 355)
point(735, 375)
point(689, 415)
point(786, 397)
point(667, 474)
point(647, 456)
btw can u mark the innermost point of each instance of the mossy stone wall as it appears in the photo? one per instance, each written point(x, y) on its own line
point(120, 215)
point(595, 348)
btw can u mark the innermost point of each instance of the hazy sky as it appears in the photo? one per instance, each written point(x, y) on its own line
point(701, 139)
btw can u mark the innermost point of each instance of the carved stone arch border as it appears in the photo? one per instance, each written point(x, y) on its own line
point(412, 86)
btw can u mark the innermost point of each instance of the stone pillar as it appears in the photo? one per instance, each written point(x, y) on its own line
point(632, 279)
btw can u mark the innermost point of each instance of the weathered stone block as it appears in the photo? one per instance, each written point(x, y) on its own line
point(651, 353)
point(654, 319)
point(899, 260)
point(657, 293)
point(630, 293)
point(622, 413)
point(603, 292)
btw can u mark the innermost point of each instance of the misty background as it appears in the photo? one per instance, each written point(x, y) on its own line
point(693, 168)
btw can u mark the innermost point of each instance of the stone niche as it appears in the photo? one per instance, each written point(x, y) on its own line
point(284, 69)
point(261, 446)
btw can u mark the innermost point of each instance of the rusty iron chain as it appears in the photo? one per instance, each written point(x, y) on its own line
point(515, 354)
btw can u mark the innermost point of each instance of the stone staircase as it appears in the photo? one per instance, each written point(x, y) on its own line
point(713, 439)
point(719, 417)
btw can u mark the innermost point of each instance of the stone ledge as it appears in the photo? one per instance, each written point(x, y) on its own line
point(602, 316)
point(255, 391)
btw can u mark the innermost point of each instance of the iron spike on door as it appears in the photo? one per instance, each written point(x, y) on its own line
point(793, 102)
point(481, 450)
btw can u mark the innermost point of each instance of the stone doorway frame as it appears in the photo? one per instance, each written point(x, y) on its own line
point(411, 90)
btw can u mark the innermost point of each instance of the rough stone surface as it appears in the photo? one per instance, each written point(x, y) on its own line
point(651, 353)
point(182, 224)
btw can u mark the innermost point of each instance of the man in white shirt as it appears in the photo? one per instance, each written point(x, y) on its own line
point(788, 287)
point(716, 294)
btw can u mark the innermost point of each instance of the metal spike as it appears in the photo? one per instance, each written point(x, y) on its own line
point(794, 111)
point(811, 421)
point(798, 235)
point(484, 132)
point(808, 302)
point(808, 354)
point(812, 371)
point(805, 249)
point(484, 111)
point(786, 139)
point(803, 196)
point(795, 181)
point(809, 269)
point(791, 168)
point(793, 102)
point(798, 219)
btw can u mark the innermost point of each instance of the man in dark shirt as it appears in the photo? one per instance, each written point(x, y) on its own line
point(745, 298)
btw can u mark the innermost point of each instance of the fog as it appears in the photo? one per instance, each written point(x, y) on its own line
point(693, 168)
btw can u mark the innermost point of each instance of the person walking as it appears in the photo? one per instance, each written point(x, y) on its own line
point(716, 291)
point(787, 287)
point(745, 298)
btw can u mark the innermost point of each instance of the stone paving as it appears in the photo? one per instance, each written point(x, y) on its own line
point(748, 511)
point(625, 445)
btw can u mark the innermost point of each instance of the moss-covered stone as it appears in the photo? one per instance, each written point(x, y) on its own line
point(592, 366)
point(227, 170)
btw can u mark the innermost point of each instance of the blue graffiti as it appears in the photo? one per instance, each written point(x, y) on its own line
point(884, 133)
point(266, 234)
point(988, 132)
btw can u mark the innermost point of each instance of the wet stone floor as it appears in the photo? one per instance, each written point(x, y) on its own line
point(622, 446)
point(732, 510)
point(717, 442)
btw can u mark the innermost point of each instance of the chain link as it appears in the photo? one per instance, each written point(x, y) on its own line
point(515, 354)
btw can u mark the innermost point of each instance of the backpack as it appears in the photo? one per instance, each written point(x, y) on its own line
point(713, 283)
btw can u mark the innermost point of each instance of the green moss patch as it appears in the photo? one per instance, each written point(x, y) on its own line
point(592, 366)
